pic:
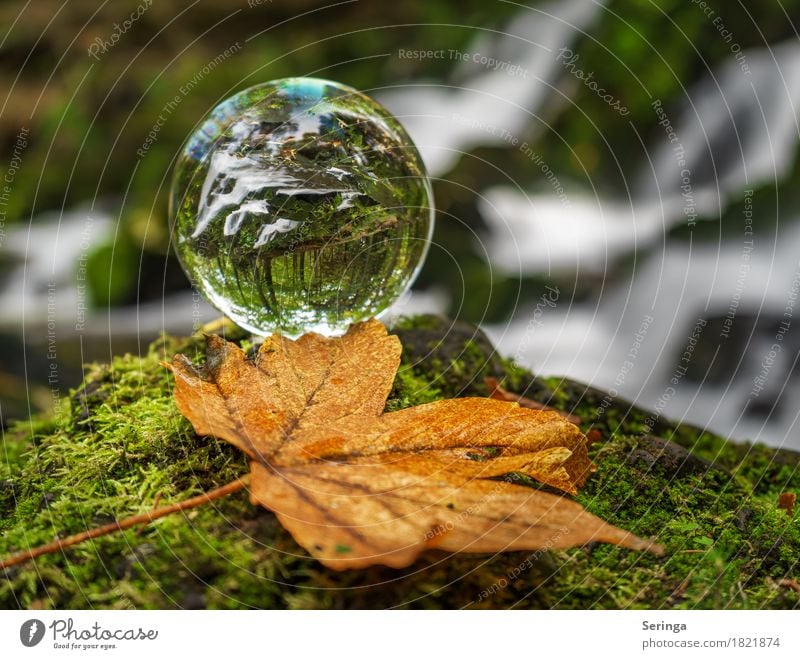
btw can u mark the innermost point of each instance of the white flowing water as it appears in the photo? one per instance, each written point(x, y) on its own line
point(737, 131)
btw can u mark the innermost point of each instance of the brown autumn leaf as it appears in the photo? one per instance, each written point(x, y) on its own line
point(357, 487)
point(787, 501)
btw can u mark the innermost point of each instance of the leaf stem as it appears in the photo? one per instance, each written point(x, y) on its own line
point(128, 522)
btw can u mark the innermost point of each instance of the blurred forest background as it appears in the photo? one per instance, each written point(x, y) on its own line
point(637, 228)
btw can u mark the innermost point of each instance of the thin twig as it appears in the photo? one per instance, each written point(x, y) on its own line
point(156, 501)
point(121, 525)
point(498, 393)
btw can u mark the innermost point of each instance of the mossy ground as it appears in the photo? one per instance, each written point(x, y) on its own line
point(119, 446)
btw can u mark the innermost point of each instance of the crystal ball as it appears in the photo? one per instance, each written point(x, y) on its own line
point(300, 205)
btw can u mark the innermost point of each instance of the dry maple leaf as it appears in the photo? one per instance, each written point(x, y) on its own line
point(357, 487)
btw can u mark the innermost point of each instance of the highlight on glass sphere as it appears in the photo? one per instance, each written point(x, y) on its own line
point(301, 205)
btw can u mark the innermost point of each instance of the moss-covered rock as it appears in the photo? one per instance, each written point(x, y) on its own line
point(119, 446)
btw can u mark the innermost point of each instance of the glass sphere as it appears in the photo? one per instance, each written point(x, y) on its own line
point(300, 205)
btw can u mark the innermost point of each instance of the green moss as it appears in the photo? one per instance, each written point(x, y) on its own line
point(452, 356)
point(119, 446)
point(410, 389)
point(726, 546)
